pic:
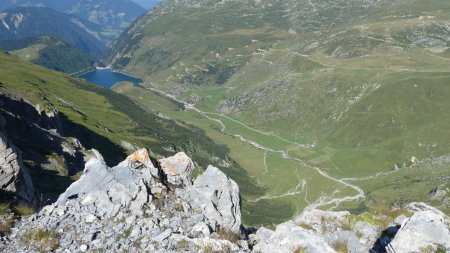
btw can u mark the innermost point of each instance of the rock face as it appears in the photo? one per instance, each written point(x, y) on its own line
point(14, 177)
point(428, 229)
point(217, 197)
point(38, 131)
point(316, 231)
point(287, 238)
point(138, 206)
point(178, 169)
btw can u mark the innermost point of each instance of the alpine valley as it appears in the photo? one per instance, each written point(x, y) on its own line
point(259, 126)
point(326, 104)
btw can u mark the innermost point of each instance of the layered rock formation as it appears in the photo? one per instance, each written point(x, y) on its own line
point(46, 149)
point(14, 178)
point(148, 205)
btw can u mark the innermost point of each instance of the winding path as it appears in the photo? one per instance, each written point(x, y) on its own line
point(301, 187)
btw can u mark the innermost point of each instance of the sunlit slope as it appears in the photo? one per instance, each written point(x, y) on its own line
point(360, 86)
point(101, 118)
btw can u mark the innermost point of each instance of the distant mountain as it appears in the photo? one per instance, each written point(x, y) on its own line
point(25, 22)
point(49, 52)
point(112, 16)
point(148, 4)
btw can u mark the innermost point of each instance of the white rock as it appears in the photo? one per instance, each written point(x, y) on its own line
point(136, 232)
point(90, 218)
point(83, 248)
point(164, 235)
point(287, 237)
point(178, 169)
point(428, 226)
point(200, 229)
point(217, 196)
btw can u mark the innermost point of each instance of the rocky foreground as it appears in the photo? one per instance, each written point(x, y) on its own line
point(148, 205)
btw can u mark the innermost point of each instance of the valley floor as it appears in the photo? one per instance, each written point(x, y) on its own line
point(287, 171)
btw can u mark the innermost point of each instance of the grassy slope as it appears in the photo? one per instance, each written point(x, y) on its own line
point(110, 118)
point(368, 92)
point(49, 52)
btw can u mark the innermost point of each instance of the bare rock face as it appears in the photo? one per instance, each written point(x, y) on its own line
point(14, 178)
point(427, 229)
point(289, 237)
point(139, 206)
point(178, 169)
point(218, 198)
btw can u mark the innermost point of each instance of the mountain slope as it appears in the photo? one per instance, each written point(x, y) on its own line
point(25, 22)
point(49, 52)
point(112, 16)
point(353, 90)
point(147, 4)
point(98, 117)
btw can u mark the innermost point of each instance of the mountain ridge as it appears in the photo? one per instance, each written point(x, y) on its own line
point(49, 52)
point(25, 22)
point(112, 17)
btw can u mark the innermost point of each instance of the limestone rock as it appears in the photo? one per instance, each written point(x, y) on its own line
point(178, 169)
point(134, 207)
point(428, 227)
point(218, 198)
point(110, 189)
point(129, 146)
point(14, 177)
point(289, 237)
point(164, 235)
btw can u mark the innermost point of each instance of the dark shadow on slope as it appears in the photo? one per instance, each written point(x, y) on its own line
point(38, 137)
point(112, 153)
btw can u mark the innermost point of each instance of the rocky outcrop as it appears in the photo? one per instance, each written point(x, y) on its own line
point(325, 231)
point(317, 231)
point(149, 205)
point(426, 231)
point(217, 196)
point(14, 177)
point(139, 206)
point(178, 169)
point(45, 150)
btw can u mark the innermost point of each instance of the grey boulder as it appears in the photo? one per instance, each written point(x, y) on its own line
point(428, 227)
point(178, 169)
point(217, 197)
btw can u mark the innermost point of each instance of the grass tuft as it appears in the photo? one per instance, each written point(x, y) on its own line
point(341, 246)
point(299, 249)
point(42, 239)
point(228, 235)
point(182, 245)
point(23, 210)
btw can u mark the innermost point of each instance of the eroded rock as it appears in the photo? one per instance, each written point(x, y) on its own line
point(14, 177)
point(427, 228)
